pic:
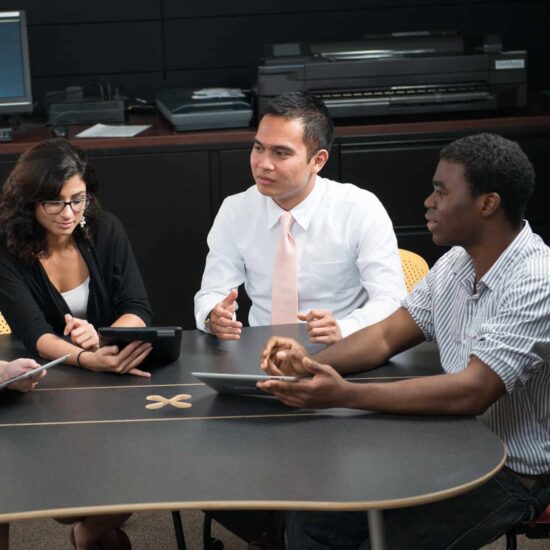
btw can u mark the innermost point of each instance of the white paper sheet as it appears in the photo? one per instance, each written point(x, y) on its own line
point(105, 130)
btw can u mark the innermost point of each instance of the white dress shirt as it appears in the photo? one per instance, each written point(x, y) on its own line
point(348, 260)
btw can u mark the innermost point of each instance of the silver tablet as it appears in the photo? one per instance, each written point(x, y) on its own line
point(238, 384)
point(32, 372)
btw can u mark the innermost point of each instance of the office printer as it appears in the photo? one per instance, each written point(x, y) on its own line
point(205, 109)
point(398, 74)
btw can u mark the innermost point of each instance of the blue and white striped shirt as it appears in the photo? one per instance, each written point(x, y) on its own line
point(505, 322)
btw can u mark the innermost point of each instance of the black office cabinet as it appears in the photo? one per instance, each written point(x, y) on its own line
point(6, 167)
point(163, 201)
point(235, 173)
point(537, 149)
point(399, 172)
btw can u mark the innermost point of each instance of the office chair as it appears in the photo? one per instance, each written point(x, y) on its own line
point(4, 327)
point(539, 528)
point(415, 268)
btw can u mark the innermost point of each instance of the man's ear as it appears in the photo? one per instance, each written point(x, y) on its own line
point(490, 204)
point(319, 160)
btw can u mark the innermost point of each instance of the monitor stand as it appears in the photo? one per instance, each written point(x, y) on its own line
point(6, 134)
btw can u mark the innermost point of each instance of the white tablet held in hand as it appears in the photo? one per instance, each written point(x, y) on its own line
point(32, 372)
point(238, 384)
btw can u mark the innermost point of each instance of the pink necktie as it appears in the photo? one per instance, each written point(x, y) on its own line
point(284, 295)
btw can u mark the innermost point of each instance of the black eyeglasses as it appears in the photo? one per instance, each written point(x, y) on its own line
point(56, 207)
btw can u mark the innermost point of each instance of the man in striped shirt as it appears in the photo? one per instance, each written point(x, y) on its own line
point(487, 304)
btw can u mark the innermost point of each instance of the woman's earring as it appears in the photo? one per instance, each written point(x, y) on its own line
point(82, 221)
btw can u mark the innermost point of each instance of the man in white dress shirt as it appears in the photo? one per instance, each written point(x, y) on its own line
point(349, 270)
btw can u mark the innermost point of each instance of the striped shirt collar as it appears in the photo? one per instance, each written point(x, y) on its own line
point(506, 263)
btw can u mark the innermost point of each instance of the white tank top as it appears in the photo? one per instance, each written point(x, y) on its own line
point(77, 299)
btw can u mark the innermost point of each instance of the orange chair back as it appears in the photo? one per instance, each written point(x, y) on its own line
point(4, 327)
point(415, 268)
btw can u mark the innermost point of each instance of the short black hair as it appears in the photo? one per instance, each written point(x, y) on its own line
point(318, 125)
point(493, 164)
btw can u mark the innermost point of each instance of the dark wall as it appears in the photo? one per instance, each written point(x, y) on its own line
point(148, 46)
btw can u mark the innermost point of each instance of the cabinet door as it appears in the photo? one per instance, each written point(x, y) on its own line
point(163, 200)
point(235, 173)
point(399, 174)
point(6, 167)
point(537, 149)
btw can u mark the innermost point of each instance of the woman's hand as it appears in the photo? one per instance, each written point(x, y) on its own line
point(111, 359)
point(82, 333)
point(17, 367)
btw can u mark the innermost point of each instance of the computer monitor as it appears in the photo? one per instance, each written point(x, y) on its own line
point(15, 79)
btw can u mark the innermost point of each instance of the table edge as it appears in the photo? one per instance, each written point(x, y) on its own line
point(259, 504)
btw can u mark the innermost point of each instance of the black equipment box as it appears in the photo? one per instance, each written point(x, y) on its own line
point(86, 111)
point(398, 74)
point(188, 112)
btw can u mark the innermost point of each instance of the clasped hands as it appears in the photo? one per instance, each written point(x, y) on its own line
point(320, 386)
point(321, 325)
point(106, 358)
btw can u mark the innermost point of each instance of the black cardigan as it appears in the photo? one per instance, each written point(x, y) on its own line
point(32, 306)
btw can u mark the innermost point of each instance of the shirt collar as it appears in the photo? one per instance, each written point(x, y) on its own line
point(509, 259)
point(505, 264)
point(303, 212)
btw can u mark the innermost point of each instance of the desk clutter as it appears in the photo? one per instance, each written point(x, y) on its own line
point(375, 75)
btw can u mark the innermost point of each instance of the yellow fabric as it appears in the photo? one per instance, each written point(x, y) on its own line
point(4, 327)
point(415, 268)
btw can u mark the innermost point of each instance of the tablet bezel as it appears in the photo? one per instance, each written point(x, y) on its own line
point(238, 384)
point(168, 335)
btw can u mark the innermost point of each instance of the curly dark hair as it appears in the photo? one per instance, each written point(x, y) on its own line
point(493, 164)
point(318, 125)
point(39, 175)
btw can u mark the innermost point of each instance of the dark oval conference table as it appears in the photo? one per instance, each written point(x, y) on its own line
point(85, 443)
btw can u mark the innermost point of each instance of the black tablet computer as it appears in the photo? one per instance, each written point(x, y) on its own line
point(166, 340)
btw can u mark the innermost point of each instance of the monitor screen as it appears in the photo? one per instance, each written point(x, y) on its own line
point(15, 82)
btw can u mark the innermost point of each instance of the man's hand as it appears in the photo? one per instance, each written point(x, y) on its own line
point(326, 389)
point(83, 334)
point(283, 356)
point(321, 326)
point(221, 318)
point(125, 361)
point(17, 367)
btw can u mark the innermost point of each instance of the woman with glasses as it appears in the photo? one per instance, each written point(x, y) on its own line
point(66, 268)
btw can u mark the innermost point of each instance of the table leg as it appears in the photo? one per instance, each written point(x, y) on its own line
point(178, 529)
point(376, 529)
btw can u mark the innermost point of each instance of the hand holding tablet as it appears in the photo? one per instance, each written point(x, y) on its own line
point(238, 384)
point(33, 372)
point(166, 341)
